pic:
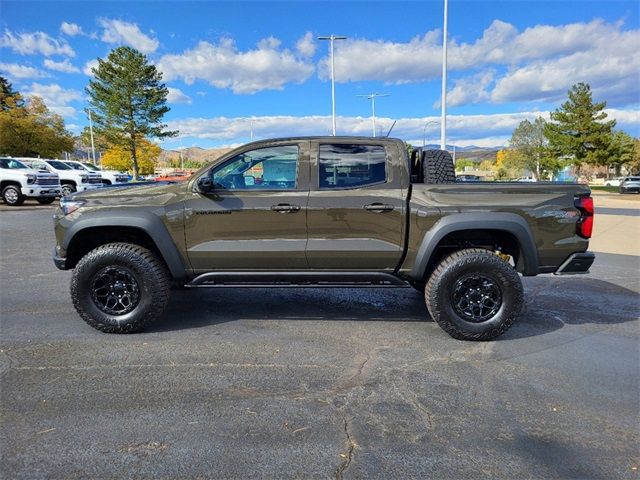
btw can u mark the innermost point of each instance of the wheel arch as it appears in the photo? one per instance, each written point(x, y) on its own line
point(86, 234)
point(6, 183)
point(507, 228)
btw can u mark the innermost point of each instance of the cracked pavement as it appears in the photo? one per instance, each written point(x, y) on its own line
point(315, 383)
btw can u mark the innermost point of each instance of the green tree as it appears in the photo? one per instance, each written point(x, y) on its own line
point(462, 163)
point(621, 150)
point(530, 148)
point(32, 130)
point(579, 128)
point(129, 100)
point(9, 98)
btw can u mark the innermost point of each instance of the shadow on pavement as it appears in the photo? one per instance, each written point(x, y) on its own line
point(551, 302)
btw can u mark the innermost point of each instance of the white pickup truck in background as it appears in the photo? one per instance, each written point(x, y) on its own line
point(70, 180)
point(109, 177)
point(18, 182)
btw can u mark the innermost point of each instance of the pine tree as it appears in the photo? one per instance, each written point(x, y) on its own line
point(129, 100)
point(9, 98)
point(579, 128)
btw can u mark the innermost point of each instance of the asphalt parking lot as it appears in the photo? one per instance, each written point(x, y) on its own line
point(321, 383)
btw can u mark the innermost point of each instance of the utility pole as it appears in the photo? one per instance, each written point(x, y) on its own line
point(331, 39)
point(372, 97)
point(443, 100)
point(93, 148)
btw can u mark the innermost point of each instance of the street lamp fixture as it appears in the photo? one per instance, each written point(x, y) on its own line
point(424, 131)
point(93, 148)
point(331, 39)
point(372, 97)
point(443, 100)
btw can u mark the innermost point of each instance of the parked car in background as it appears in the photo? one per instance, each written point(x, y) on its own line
point(525, 179)
point(613, 182)
point(70, 180)
point(467, 178)
point(18, 182)
point(630, 184)
point(109, 177)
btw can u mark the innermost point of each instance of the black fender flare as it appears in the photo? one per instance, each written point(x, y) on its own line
point(504, 221)
point(147, 222)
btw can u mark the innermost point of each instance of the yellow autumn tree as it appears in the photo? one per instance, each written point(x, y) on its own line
point(118, 157)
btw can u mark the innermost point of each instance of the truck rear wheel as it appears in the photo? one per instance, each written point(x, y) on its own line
point(438, 167)
point(474, 295)
point(12, 196)
point(120, 288)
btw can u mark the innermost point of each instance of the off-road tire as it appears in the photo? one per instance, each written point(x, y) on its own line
point(437, 167)
point(12, 196)
point(150, 273)
point(46, 201)
point(439, 294)
point(67, 189)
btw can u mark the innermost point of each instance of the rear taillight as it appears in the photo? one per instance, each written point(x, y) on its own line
point(584, 227)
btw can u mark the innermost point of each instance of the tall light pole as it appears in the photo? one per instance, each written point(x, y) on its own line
point(331, 39)
point(424, 132)
point(372, 97)
point(93, 148)
point(443, 100)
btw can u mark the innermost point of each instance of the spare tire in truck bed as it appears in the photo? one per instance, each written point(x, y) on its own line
point(437, 167)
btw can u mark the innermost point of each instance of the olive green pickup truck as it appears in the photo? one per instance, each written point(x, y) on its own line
point(323, 212)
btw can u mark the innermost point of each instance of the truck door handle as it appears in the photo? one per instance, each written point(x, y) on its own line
point(285, 208)
point(378, 207)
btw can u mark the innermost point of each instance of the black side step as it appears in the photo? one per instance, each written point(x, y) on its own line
point(297, 279)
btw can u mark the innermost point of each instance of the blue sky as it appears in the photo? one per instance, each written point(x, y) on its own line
point(233, 66)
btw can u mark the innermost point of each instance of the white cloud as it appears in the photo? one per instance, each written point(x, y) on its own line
point(469, 90)
point(542, 61)
point(64, 66)
point(13, 70)
point(222, 65)
point(126, 33)
point(306, 46)
point(88, 66)
point(35, 43)
point(55, 97)
point(610, 68)
point(71, 29)
point(463, 130)
point(177, 96)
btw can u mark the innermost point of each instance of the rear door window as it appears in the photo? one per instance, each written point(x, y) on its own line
point(351, 165)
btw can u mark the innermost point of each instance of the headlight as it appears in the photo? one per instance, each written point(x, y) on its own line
point(83, 178)
point(31, 178)
point(70, 206)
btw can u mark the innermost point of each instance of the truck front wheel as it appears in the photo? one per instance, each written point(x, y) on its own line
point(474, 295)
point(68, 189)
point(12, 195)
point(120, 288)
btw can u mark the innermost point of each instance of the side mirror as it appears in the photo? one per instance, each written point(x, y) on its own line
point(205, 184)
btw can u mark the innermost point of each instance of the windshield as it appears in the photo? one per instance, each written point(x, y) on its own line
point(91, 167)
point(633, 179)
point(58, 165)
point(76, 166)
point(12, 164)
